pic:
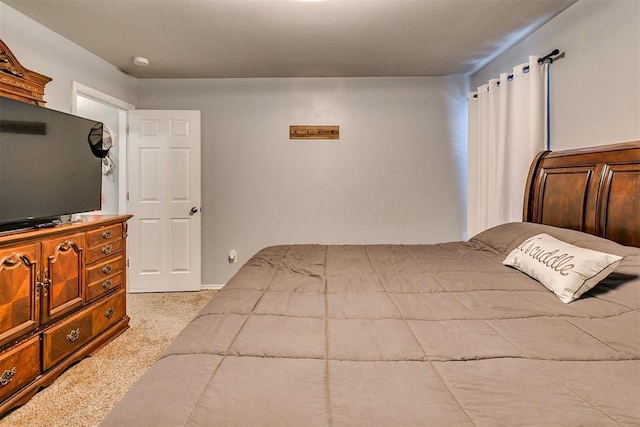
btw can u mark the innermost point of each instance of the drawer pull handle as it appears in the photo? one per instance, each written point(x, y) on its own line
point(109, 313)
point(45, 286)
point(107, 249)
point(107, 269)
point(7, 376)
point(106, 284)
point(73, 335)
point(106, 234)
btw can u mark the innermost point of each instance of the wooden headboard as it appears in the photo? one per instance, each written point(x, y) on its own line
point(595, 190)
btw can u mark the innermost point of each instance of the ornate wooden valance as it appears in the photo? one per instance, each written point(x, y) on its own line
point(19, 83)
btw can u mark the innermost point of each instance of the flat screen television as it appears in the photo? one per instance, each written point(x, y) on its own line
point(47, 166)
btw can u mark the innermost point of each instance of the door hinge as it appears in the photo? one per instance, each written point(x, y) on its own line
point(127, 196)
point(127, 262)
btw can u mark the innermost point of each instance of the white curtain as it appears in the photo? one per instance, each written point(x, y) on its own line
point(507, 128)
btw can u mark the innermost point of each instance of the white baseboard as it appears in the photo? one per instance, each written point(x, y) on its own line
point(212, 286)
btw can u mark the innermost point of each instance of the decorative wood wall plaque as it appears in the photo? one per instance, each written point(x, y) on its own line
point(314, 132)
point(19, 83)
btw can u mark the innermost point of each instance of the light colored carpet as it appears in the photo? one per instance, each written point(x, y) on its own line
point(86, 392)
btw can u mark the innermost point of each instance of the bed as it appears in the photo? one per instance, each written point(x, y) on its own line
point(439, 334)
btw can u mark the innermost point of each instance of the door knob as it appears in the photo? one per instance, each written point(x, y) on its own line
point(193, 211)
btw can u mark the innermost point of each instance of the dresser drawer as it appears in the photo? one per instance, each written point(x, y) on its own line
point(19, 366)
point(104, 285)
point(104, 235)
point(65, 338)
point(104, 250)
point(104, 269)
point(109, 312)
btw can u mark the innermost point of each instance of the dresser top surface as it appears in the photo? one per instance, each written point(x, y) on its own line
point(83, 223)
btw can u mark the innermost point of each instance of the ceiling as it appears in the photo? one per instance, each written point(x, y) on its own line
point(294, 38)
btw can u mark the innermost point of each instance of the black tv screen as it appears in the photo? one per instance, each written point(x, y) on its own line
point(47, 167)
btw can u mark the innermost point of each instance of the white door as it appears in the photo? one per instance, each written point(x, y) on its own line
point(164, 198)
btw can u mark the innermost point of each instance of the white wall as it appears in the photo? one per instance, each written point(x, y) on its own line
point(595, 88)
point(46, 52)
point(395, 175)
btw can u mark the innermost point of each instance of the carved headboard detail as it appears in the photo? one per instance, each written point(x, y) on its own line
point(595, 190)
point(19, 83)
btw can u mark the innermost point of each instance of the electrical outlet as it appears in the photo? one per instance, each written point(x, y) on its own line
point(233, 256)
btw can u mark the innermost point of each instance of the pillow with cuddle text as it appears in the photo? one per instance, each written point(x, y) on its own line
point(565, 269)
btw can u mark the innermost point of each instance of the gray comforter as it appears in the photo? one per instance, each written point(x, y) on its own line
point(400, 335)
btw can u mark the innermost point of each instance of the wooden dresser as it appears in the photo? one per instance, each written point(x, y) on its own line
point(62, 297)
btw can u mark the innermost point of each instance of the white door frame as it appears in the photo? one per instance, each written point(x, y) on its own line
point(96, 95)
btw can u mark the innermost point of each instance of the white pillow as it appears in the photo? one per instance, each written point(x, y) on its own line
point(565, 269)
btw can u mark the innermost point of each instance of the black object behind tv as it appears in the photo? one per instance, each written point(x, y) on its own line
point(47, 167)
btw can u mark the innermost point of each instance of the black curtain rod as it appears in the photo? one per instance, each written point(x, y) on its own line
point(547, 57)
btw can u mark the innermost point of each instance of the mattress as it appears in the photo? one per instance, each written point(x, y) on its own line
point(400, 335)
